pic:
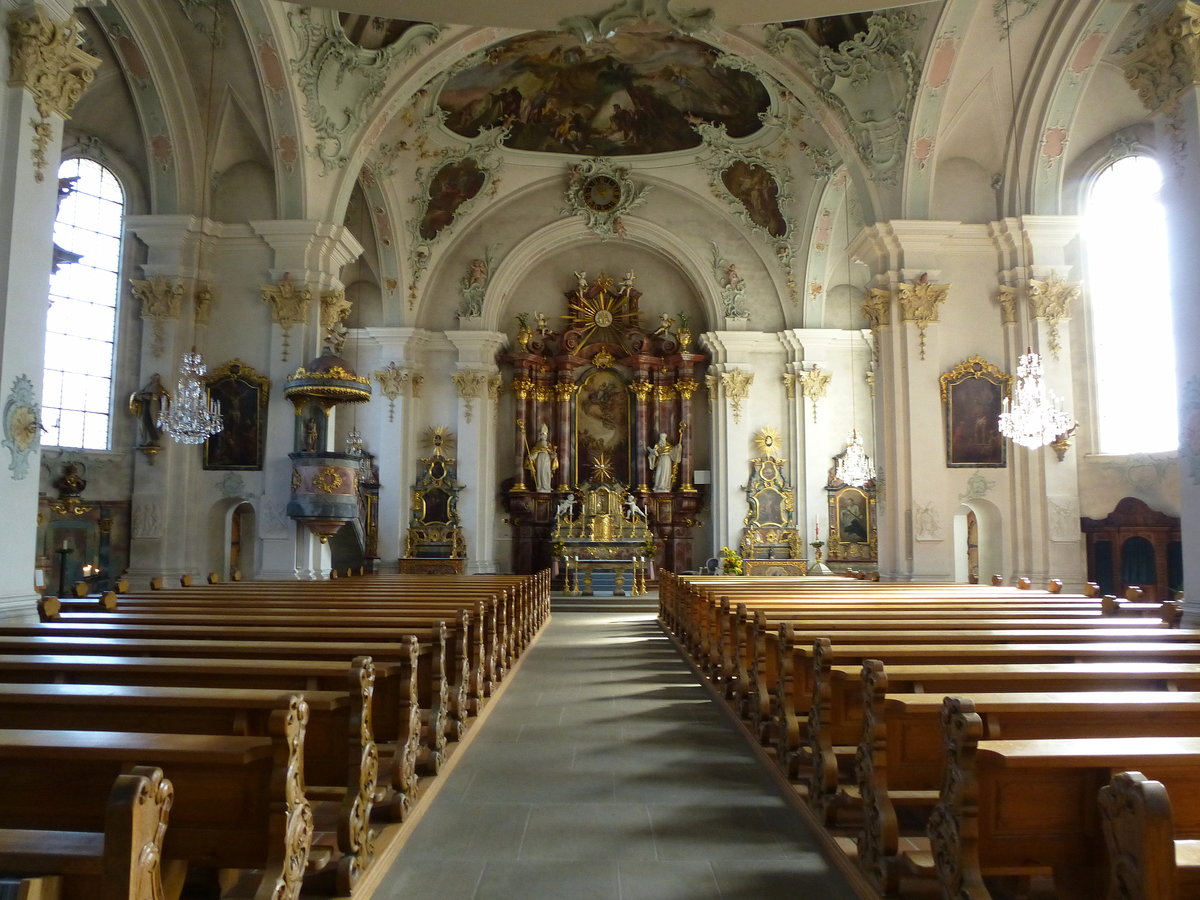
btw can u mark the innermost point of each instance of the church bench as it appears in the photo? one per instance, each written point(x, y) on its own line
point(396, 716)
point(901, 753)
point(445, 699)
point(429, 676)
point(341, 761)
point(119, 861)
point(784, 703)
point(1008, 805)
point(458, 643)
point(1146, 860)
point(835, 715)
point(504, 629)
point(239, 801)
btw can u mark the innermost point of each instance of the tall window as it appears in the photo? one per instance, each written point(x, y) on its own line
point(1125, 229)
point(81, 324)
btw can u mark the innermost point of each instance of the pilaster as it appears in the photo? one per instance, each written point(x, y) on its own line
point(477, 382)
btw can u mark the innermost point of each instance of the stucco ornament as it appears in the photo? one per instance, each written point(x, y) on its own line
point(869, 83)
point(1064, 519)
point(392, 382)
point(919, 301)
point(977, 487)
point(470, 387)
point(815, 383)
point(1166, 60)
point(737, 389)
point(289, 304)
point(439, 206)
point(1007, 298)
point(47, 59)
point(927, 522)
point(877, 307)
point(755, 189)
point(474, 285)
point(340, 80)
point(1051, 300)
point(334, 310)
point(161, 300)
point(733, 286)
point(22, 423)
point(602, 192)
point(628, 13)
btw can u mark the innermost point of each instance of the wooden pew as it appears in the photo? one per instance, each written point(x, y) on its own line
point(341, 761)
point(443, 700)
point(239, 801)
point(1146, 860)
point(901, 754)
point(1013, 805)
point(396, 714)
point(120, 862)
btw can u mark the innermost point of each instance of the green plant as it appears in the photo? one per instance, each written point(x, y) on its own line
point(731, 562)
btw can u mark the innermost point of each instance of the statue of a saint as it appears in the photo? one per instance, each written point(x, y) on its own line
point(146, 405)
point(663, 458)
point(542, 461)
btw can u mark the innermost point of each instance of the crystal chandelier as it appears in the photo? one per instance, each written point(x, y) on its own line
point(1035, 416)
point(191, 418)
point(354, 442)
point(855, 467)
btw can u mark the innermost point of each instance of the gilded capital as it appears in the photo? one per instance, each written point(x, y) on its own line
point(815, 383)
point(686, 387)
point(46, 58)
point(1051, 300)
point(470, 386)
point(919, 301)
point(737, 388)
point(161, 299)
point(878, 307)
point(641, 390)
point(789, 385)
point(289, 304)
point(522, 388)
point(564, 391)
point(392, 382)
point(1007, 298)
point(1166, 61)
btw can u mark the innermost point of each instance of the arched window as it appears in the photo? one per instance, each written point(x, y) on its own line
point(82, 321)
point(1125, 229)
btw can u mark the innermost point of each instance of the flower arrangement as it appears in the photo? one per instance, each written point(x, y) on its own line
point(731, 562)
point(649, 548)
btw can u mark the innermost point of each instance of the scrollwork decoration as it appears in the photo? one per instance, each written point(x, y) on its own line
point(289, 304)
point(161, 299)
point(737, 388)
point(602, 192)
point(22, 423)
point(920, 301)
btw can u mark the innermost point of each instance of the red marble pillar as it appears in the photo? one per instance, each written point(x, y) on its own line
point(641, 465)
point(522, 387)
point(563, 392)
point(685, 387)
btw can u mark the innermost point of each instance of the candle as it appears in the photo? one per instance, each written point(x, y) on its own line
point(65, 544)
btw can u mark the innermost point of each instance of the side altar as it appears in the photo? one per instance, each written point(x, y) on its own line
point(604, 404)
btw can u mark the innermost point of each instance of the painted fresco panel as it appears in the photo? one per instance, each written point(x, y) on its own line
point(602, 423)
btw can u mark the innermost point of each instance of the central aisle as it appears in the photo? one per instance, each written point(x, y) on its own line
point(606, 771)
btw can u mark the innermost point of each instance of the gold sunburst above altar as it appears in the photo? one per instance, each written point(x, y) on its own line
point(440, 439)
point(603, 310)
point(768, 442)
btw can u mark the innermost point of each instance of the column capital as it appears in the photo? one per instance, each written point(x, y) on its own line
point(478, 348)
point(1165, 64)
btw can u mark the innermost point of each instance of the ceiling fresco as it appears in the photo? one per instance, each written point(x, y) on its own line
point(831, 31)
point(373, 32)
point(640, 91)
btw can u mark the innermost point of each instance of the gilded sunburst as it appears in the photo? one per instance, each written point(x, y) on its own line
point(602, 316)
point(602, 471)
point(440, 438)
point(768, 443)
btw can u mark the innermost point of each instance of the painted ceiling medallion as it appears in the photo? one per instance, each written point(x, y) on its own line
point(601, 192)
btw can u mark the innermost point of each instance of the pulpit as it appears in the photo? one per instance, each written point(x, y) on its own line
point(604, 402)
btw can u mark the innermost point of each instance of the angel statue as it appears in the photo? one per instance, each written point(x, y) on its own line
point(634, 511)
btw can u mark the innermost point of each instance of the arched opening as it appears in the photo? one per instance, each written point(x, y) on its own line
point(978, 542)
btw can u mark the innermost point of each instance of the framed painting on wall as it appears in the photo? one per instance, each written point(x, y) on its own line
point(971, 397)
point(242, 393)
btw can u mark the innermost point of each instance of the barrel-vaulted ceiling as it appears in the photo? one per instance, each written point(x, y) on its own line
point(551, 14)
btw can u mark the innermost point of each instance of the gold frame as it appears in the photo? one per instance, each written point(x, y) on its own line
point(842, 549)
point(966, 440)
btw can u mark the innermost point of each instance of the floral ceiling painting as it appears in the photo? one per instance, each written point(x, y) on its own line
point(637, 92)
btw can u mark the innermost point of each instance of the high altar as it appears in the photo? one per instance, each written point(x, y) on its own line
point(604, 395)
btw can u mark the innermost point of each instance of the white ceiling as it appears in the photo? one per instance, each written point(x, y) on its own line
point(548, 14)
